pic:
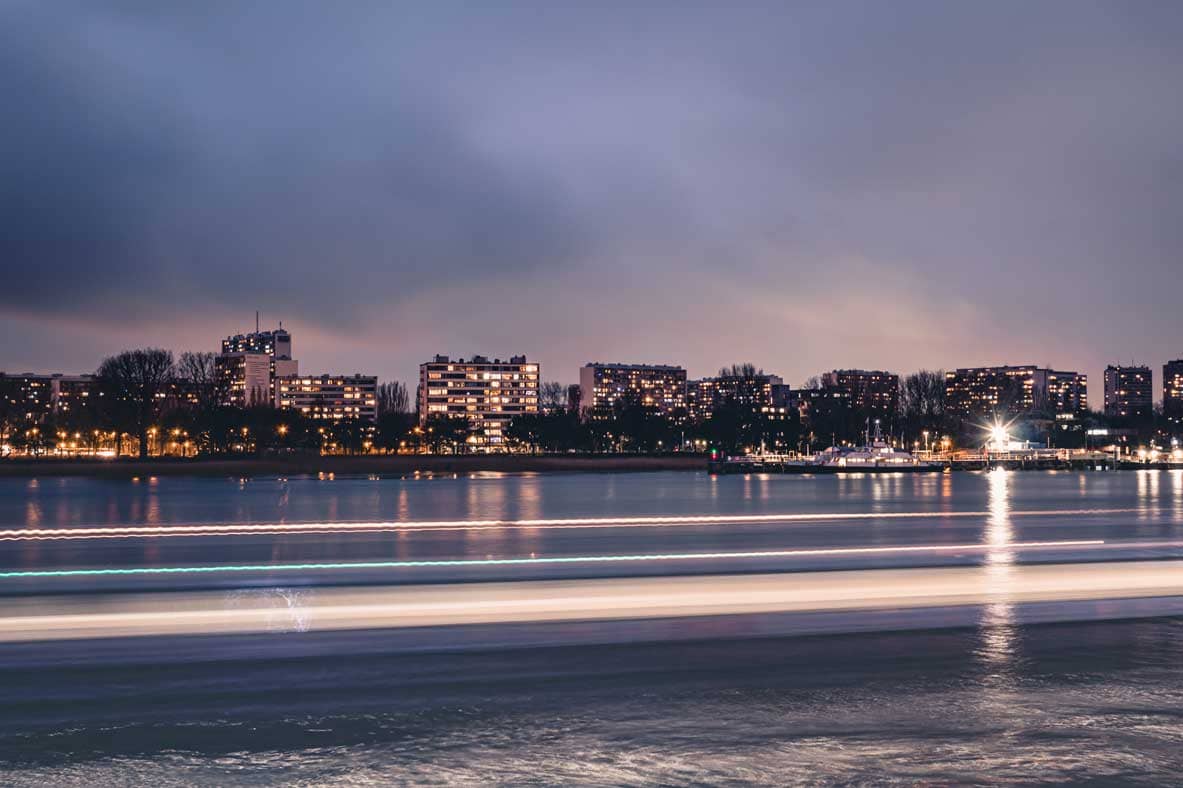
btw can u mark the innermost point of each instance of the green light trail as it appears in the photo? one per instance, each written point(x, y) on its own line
point(462, 562)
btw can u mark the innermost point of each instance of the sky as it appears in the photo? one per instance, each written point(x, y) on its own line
point(805, 186)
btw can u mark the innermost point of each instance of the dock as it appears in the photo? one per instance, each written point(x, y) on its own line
point(980, 460)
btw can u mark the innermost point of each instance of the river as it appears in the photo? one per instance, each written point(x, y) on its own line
point(982, 693)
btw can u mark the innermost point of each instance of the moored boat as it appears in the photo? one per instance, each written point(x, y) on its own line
point(876, 456)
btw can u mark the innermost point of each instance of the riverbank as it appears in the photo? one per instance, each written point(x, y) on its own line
point(399, 465)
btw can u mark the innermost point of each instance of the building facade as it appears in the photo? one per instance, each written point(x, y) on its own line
point(275, 345)
point(74, 393)
point(245, 378)
point(764, 394)
point(978, 392)
point(821, 405)
point(34, 396)
point(874, 392)
point(329, 397)
point(1129, 392)
point(488, 393)
point(1063, 393)
point(27, 395)
point(659, 386)
point(1172, 395)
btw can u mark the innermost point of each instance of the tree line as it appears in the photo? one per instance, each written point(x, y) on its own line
point(147, 402)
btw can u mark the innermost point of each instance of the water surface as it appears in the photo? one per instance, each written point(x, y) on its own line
point(989, 700)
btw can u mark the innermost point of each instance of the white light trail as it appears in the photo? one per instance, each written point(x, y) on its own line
point(242, 529)
point(594, 602)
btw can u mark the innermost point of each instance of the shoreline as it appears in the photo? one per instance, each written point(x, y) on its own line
point(400, 464)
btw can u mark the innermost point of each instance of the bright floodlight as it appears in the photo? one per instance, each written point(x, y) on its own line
point(999, 436)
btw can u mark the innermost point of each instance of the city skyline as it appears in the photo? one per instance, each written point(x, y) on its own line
point(842, 185)
point(332, 368)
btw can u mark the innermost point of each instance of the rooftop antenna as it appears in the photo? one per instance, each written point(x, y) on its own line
point(256, 321)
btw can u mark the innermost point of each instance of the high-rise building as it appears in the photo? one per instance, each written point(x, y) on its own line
point(246, 378)
point(275, 345)
point(764, 394)
point(820, 405)
point(658, 386)
point(1172, 395)
point(73, 393)
point(870, 391)
point(1063, 393)
point(1129, 392)
point(330, 397)
point(28, 395)
point(700, 399)
point(974, 392)
point(34, 396)
point(488, 393)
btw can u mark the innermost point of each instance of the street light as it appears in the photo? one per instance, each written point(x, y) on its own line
point(999, 436)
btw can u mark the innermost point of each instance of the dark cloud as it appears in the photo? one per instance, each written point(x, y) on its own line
point(163, 164)
point(1002, 179)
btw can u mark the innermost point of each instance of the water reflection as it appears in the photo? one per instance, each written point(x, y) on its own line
point(924, 485)
point(165, 501)
point(529, 498)
point(31, 552)
point(1147, 494)
point(485, 500)
point(33, 513)
point(152, 508)
point(999, 529)
point(281, 505)
point(1176, 494)
point(997, 649)
point(886, 489)
point(404, 504)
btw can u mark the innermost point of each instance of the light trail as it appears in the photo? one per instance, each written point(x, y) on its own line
point(667, 603)
point(586, 559)
point(245, 529)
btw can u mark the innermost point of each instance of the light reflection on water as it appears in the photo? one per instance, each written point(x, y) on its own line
point(998, 648)
point(92, 502)
point(1176, 476)
point(1148, 500)
point(529, 499)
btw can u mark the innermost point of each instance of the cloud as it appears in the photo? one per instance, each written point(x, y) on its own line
point(129, 194)
point(581, 180)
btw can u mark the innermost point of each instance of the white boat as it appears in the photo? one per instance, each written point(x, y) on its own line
point(876, 456)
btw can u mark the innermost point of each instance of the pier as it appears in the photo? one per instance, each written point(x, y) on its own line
point(979, 460)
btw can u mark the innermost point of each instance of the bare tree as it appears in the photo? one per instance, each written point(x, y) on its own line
point(922, 400)
point(393, 397)
point(552, 396)
point(134, 385)
point(574, 398)
point(744, 370)
point(813, 384)
point(199, 381)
